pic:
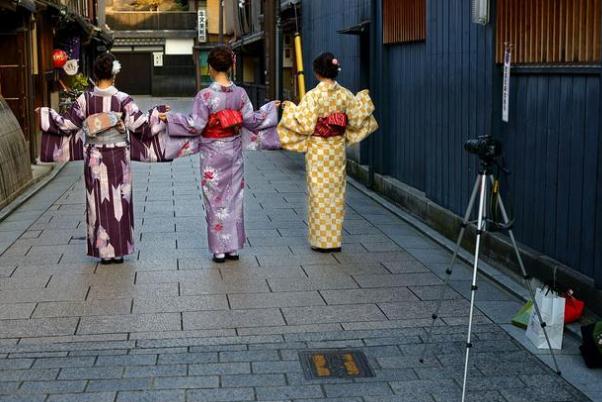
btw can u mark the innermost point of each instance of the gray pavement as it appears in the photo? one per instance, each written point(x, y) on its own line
point(170, 325)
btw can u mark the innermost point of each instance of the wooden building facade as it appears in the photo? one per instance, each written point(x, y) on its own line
point(437, 78)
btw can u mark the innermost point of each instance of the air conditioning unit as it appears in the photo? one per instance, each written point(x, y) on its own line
point(202, 25)
point(480, 11)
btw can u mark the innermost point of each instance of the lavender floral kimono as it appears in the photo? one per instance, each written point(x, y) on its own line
point(107, 173)
point(222, 161)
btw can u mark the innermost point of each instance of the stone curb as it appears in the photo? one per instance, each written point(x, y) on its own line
point(33, 189)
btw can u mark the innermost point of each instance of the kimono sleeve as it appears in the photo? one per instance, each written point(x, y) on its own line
point(361, 121)
point(135, 120)
point(259, 127)
point(66, 124)
point(153, 144)
point(298, 123)
point(189, 125)
point(62, 139)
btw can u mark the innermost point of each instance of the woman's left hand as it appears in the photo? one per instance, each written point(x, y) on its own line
point(278, 103)
point(163, 117)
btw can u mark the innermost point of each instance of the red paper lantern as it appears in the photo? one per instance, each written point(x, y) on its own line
point(59, 58)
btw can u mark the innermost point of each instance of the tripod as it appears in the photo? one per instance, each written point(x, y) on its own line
point(484, 179)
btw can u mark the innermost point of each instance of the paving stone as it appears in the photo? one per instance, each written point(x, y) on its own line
point(137, 291)
point(80, 309)
point(288, 329)
point(128, 360)
point(253, 380)
point(287, 284)
point(83, 397)
point(155, 371)
point(125, 384)
point(364, 389)
point(8, 387)
point(221, 394)
point(267, 300)
point(152, 396)
point(325, 314)
point(129, 323)
point(188, 358)
point(219, 368)
point(194, 334)
point(290, 366)
point(288, 392)
point(90, 373)
point(223, 287)
point(16, 311)
point(366, 296)
point(232, 319)
point(52, 387)
point(380, 281)
point(62, 362)
point(42, 295)
point(31, 374)
point(187, 382)
point(180, 303)
point(249, 356)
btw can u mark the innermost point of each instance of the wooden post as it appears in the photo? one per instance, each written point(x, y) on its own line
point(269, 28)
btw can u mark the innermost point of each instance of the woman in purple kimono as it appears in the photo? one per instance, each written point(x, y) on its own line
point(225, 122)
point(101, 118)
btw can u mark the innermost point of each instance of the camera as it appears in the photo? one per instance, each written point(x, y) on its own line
point(485, 147)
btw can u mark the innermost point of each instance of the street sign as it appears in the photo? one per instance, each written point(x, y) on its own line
point(202, 25)
point(506, 84)
point(158, 59)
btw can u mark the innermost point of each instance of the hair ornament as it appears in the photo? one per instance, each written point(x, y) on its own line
point(335, 62)
point(116, 67)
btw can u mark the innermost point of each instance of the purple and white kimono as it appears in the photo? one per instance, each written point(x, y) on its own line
point(108, 178)
point(222, 163)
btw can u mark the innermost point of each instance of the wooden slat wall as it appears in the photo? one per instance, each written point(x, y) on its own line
point(404, 21)
point(549, 31)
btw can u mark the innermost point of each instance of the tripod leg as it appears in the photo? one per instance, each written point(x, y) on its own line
point(449, 270)
point(526, 277)
point(473, 287)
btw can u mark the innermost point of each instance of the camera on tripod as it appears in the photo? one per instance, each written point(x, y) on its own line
point(487, 148)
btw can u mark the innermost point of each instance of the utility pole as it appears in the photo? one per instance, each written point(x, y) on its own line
point(270, 35)
point(221, 22)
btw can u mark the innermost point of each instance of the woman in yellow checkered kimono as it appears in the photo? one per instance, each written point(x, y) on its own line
point(327, 119)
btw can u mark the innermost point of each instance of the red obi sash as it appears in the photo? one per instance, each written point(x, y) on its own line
point(223, 124)
point(333, 125)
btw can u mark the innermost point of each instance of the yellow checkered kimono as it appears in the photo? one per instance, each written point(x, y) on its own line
point(325, 158)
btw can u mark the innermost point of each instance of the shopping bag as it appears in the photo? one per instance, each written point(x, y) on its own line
point(573, 309)
point(551, 307)
point(521, 318)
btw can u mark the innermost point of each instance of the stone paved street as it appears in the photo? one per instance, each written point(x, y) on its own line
point(170, 325)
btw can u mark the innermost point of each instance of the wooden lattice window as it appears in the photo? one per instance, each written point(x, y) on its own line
point(404, 21)
point(549, 31)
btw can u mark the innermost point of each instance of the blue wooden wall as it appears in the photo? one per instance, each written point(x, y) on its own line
point(447, 89)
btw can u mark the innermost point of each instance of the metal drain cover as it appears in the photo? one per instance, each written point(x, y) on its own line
point(335, 364)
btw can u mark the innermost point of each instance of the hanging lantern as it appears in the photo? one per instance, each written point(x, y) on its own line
point(71, 67)
point(59, 58)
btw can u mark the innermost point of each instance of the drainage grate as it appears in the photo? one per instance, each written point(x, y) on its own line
point(335, 364)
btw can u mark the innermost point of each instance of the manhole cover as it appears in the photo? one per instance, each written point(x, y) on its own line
point(335, 364)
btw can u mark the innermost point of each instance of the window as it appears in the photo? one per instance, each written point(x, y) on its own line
point(404, 21)
point(549, 31)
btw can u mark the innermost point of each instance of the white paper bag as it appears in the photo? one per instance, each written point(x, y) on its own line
point(551, 307)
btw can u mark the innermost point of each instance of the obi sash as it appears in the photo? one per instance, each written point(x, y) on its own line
point(104, 129)
point(223, 124)
point(333, 125)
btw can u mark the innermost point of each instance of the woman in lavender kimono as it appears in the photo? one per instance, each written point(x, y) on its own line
point(105, 115)
point(223, 117)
